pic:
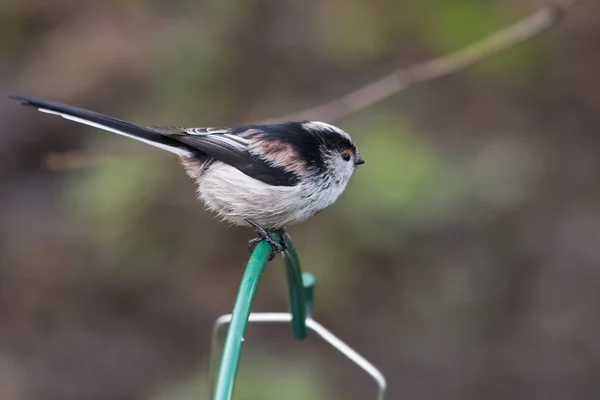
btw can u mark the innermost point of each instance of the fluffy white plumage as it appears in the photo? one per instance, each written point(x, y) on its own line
point(228, 192)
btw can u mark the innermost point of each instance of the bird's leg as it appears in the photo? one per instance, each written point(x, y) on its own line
point(264, 234)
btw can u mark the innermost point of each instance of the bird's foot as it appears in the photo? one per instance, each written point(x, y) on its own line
point(264, 234)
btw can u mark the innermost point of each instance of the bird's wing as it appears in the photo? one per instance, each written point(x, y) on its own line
point(235, 149)
point(220, 144)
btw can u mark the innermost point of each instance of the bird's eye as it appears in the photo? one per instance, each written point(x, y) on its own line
point(346, 156)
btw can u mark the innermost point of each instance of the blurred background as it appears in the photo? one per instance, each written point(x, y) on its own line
point(463, 260)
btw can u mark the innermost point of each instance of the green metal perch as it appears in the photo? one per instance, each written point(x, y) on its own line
point(300, 289)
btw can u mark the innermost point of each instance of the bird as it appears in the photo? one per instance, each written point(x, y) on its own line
point(267, 176)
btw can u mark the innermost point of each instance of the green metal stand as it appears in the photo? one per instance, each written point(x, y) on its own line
point(300, 289)
point(243, 305)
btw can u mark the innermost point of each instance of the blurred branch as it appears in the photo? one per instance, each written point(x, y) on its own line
point(77, 159)
point(401, 79)
point(393, 83)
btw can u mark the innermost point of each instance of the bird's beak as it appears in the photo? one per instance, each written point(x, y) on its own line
point(359, 161)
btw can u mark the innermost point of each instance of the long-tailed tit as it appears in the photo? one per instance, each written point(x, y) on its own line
point(263, 176)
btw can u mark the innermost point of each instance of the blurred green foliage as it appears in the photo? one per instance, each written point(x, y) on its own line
point(295, 381)
point(450, 26)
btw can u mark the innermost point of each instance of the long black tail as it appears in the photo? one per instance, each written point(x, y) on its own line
point(107, 123)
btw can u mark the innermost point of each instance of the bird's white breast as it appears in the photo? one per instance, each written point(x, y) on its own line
point(236, 197)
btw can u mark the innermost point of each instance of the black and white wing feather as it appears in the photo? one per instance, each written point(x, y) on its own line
point(231, 146)
point(238, 147)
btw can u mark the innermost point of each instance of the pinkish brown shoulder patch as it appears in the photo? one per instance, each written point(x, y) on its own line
point(282, 155)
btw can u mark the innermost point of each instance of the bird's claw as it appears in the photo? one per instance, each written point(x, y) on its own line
point(265, 235)
point(275, 247)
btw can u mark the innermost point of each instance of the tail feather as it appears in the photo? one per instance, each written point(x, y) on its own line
point(107, 123)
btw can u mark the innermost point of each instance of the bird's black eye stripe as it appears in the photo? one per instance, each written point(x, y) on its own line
point(346, 156)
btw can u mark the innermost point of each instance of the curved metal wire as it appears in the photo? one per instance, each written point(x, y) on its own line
point(321, 331)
